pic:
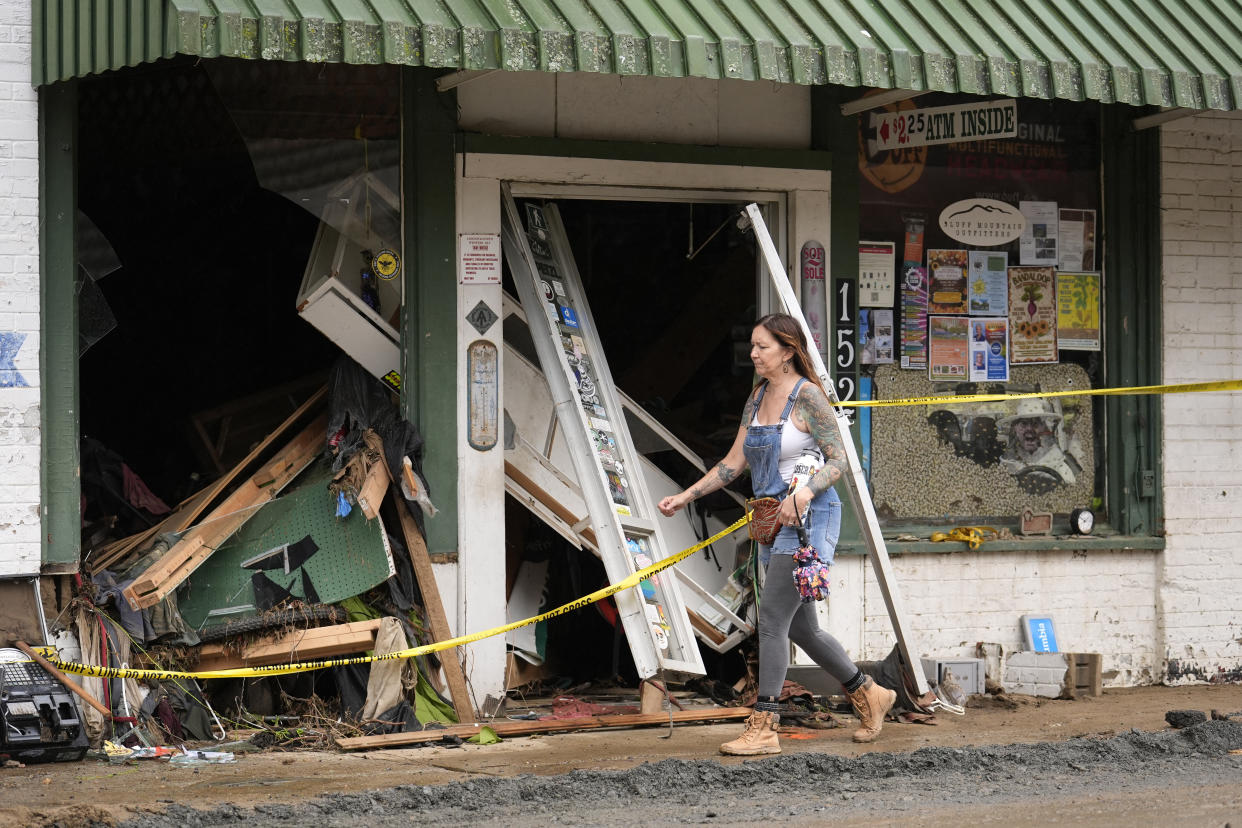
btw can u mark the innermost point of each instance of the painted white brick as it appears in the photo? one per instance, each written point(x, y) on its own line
point(20, 525)
point(954, 601)
point(1200, 573)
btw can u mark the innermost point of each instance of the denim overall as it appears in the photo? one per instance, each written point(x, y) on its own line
point(762, 450)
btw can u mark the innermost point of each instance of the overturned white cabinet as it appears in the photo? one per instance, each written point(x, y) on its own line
point(330, 297)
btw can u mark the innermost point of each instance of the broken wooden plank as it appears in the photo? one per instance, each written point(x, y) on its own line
point(374, 486)
point(437, 621)
point(512, 728)
point(299, 645)
point(188, 511)
point(198, 543)
point(189, 515)
point(700, 624)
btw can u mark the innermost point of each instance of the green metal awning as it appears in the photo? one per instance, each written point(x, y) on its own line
point(1185, 53)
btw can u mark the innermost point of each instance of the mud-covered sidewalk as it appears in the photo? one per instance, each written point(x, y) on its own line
point(1108, 760)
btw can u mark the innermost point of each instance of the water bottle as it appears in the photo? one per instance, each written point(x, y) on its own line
point(805, 467)
point(809, 462)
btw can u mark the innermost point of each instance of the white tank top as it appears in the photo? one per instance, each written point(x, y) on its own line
point(793, 442)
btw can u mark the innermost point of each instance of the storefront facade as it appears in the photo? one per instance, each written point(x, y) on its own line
point(1152, 595)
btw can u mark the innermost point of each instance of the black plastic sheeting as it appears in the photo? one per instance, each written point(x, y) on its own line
point(358, 401)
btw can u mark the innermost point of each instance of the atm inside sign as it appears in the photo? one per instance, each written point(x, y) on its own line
point(943, 125)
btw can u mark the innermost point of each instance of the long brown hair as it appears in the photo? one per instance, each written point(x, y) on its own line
point(786, 330)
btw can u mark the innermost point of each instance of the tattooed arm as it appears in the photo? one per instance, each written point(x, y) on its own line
point(813, 412)
point(727, 470)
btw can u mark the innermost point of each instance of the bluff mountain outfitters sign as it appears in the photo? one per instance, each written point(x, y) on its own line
point(943, 125)
point(982, 222)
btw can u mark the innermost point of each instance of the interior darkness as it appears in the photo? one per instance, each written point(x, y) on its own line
point(210, 261)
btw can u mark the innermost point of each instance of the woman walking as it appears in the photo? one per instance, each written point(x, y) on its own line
point(787, 414)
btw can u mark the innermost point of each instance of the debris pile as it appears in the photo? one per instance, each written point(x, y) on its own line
point(296, 552)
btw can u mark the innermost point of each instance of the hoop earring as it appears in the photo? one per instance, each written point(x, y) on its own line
point(785, 367)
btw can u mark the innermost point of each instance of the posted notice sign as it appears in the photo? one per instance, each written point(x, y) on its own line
point(943, 125)
point(479, 259)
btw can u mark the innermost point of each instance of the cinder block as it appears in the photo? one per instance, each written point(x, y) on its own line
point(1053, 675)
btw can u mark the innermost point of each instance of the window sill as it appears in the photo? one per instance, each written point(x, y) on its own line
point(1040, 543)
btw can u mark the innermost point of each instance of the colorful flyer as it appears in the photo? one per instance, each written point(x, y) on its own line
point(989, 349)
point(882, 335)
point(947, 347)
point(875, 336)
point(914, 318)
point(1032, 315)
point(988, 283)
point(913, 295)
point(1078, 311)
point(1038, 242)
point(946, 281)
point(876, 274)
point(1076, 237)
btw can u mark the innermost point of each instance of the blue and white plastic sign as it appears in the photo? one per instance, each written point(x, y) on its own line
point(1040, 635)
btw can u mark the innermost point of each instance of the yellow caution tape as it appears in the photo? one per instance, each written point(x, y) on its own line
point(972, 536)
point(1182, 388)
point(283, 669)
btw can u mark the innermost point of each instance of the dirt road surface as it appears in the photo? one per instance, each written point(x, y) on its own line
point(1110, 760)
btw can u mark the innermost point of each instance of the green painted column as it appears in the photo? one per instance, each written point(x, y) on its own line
point(429, 314)
point(1132, 319)
point(60, 483)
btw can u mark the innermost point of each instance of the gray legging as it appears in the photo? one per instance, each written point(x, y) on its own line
point(784, 618)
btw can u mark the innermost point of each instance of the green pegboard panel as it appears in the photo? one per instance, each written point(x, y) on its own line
point(353, 555)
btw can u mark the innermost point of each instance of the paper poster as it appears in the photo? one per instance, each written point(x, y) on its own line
point(947, 347)
point(989, 349)
point(1032, 315)
point(876, 274)
point(1076, 238)
point(913, 295)
point(946, 281)
point(875, 336)
point(1078, 311)
point(1038, 242)
point(914, 318)
point(988, 283)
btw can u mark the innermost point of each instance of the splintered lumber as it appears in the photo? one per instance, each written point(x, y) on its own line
point(188, 511)
point(199, 542)
point(374, 486)
point(437, 621)
point(512, 728)
point(700, 623)
point(299, 645)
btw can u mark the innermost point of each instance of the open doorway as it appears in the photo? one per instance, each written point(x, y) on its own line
point(671, 287)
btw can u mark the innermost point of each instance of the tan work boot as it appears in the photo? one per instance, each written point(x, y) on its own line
point(871, 702)
point(759, 737)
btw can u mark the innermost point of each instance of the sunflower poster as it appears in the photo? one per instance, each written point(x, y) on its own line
point(1032, 315)
point(1078, 311)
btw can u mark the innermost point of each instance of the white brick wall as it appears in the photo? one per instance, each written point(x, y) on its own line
point(955, 600)
point(19, 297)
point(1201, 570)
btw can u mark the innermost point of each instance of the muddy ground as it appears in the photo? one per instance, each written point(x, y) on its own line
point(1110, 760)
